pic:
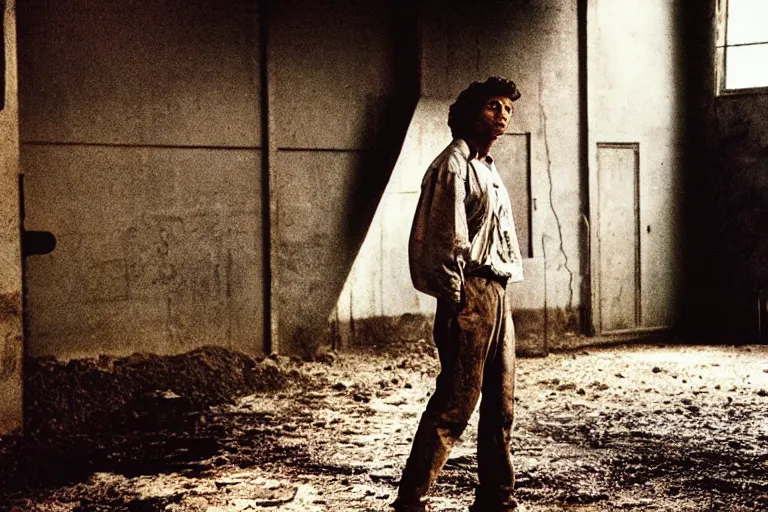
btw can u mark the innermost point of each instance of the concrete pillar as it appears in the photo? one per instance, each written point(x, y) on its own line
point(11, 346)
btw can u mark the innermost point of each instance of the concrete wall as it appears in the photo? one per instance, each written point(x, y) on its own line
point(537, 45)
point(152, 151)
point(11, 347)
point(378, 303)
point(727, 196)
point(640, 103)
point(345, 85)
point(144, 134)
point(559, 70)
point(141, 152)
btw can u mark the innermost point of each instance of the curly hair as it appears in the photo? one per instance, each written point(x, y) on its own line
point(463, 113)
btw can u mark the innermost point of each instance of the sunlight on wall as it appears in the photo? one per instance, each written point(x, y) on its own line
point(379, 283)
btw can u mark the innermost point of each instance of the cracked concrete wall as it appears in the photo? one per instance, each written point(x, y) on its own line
point(726, 252)
point(536, 44)
point(142, 149)
point(11, 339)
point(378, 303)
point(141, 153)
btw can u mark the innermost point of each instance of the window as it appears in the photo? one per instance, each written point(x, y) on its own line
point(742, 46)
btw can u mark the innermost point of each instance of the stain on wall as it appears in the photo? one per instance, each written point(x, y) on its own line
point(10, 304)
point(11, 346)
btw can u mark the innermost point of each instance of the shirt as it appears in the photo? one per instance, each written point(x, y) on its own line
point(463, 225)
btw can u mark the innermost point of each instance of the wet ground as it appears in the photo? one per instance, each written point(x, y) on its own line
point(643, 427)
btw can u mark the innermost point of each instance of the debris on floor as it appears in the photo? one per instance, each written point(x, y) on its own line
point(636, 427)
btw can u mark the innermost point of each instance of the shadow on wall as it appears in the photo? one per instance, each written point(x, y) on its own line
point(377, 292)
point(331, 259)
point(726, 197)
point(356, 67)
point(393, 115)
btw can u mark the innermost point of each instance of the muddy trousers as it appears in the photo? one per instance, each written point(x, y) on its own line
point(476, 346)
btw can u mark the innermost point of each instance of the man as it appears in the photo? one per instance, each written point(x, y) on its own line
point(463, 250)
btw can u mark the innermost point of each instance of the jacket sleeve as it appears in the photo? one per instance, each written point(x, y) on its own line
point(439, 240)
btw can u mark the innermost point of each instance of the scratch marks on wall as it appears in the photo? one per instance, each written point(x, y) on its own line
point(188, 261)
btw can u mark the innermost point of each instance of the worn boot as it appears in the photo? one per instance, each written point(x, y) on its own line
point(419, 506)
point(482, 506)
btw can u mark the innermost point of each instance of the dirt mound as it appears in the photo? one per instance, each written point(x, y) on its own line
point(90, 395)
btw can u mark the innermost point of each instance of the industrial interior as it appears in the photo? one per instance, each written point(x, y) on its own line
point(205, 297)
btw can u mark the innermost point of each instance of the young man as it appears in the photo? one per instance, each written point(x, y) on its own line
point(463, 250)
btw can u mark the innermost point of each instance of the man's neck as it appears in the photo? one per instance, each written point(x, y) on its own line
point(481, 146)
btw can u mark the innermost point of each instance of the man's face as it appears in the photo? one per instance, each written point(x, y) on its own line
point(494, 117)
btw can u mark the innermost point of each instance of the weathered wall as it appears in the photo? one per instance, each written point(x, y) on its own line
point(378, 303)
point(11, 346)
point(641, 104)
point(537, 45)
point(560, 69)
point(345, 85)
point(143, 137)
point(141, 152)
point(727, 196)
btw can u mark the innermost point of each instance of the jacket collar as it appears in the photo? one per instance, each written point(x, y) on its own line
point(467, 152)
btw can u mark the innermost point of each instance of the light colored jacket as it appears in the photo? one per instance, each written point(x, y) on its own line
point(463, 225)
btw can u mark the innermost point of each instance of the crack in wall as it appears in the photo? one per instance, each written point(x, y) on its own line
point(543, 117)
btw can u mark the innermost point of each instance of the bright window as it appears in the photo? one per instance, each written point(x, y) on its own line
point(743, 46)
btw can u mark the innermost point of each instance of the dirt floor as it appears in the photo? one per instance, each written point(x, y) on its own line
point(639, 427)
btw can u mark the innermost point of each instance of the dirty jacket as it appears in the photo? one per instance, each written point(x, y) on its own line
point(463, 225)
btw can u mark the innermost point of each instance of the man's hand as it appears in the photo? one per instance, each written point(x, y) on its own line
point(457, 306)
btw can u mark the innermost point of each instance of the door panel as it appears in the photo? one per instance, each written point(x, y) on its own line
point(618, 244)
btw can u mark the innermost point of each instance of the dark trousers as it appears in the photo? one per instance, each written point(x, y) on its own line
point(476, 346)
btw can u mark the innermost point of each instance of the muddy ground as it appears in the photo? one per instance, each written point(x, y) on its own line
point(639, 427)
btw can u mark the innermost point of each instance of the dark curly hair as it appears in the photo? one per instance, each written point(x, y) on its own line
point(463, 113)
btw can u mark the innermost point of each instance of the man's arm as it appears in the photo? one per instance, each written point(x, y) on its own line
point(439, 237)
